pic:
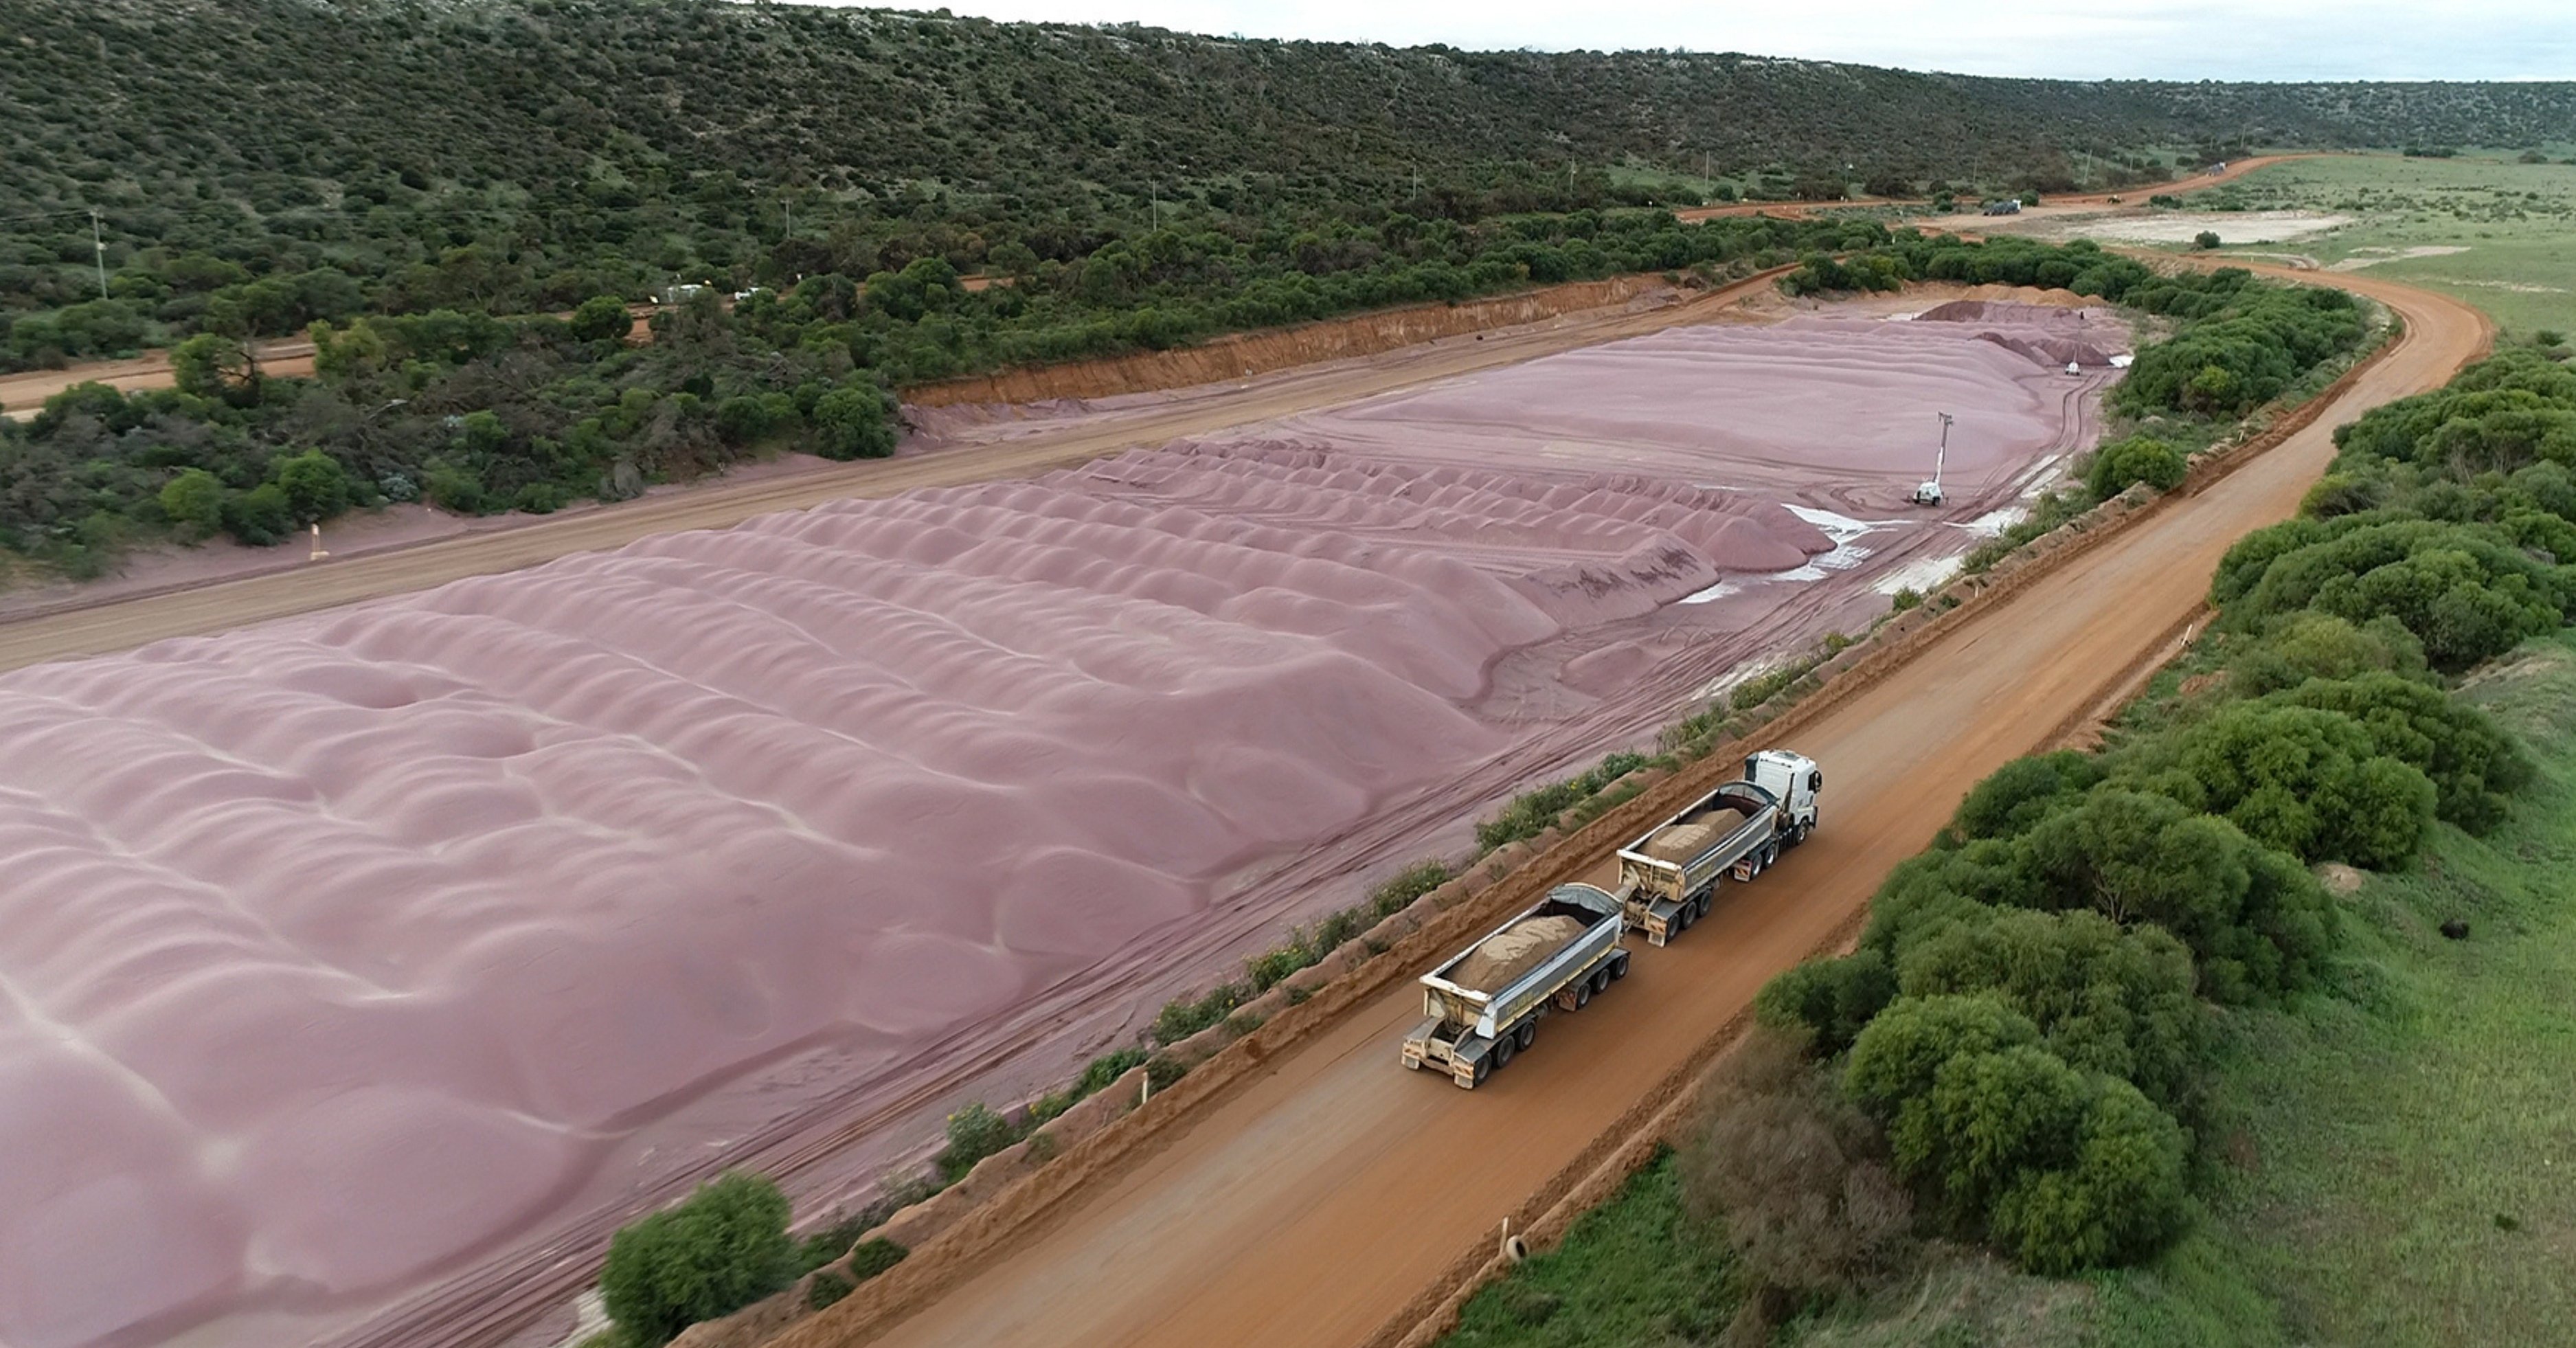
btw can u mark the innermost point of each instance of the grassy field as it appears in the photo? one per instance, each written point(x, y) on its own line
point(2394, 1158)
point(1636, 1270)
point(2514, 224)
point(2494, 232)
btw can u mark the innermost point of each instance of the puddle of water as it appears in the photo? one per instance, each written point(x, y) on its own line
point(1713, 593)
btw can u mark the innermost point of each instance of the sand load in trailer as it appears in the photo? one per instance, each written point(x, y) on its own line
point(1669, 876)
point(1483, 1006)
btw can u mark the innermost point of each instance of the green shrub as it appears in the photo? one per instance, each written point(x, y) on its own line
point(874, 1256)
point(1534, 812)
point(457, 491)
point(724, 1248)
point(826, 1288)
point(315, 485)
point(2116, 467)
point(974, 1133)
point(259, 517)
point(855, 421)
point(194, 503)
point(1180, 1019)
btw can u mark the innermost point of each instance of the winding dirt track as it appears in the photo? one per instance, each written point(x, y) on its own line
point(194, 611)
point(1312, 1205)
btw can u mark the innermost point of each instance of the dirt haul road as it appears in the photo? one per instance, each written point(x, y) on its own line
point(1318, 1201)
point(123, 624)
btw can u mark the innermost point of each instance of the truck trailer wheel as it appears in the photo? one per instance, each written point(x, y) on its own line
point(1601, 979)
point(1501, 1057)
point(1619, 966)
point(1583, 994)
point(1527, 1032)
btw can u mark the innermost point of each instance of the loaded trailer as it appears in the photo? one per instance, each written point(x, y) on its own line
point(1483, 1006)
point(1669, 876)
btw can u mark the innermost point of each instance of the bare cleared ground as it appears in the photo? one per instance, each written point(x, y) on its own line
point(1035, 750)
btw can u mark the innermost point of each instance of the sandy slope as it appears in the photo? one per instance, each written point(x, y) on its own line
point(1315, 1203)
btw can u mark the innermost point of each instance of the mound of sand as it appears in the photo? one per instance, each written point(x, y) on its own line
point(1514, 951)
point(340, 950)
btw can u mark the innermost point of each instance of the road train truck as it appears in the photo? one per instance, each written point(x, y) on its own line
point(1483, 1006)
point(1669, 876)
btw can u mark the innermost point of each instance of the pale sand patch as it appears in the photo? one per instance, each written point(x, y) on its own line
point(2231, 227)
point(2372, 257)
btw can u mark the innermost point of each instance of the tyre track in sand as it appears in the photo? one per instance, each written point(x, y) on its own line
point(1317, 1200)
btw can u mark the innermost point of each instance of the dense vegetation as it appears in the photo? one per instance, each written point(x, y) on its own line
point(256, 164)
point(2020, 1053)
point(477, 413)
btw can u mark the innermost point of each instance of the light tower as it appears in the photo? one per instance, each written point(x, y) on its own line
point(1929, 493)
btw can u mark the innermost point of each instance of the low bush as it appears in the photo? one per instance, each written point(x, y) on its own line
point(721, 1250)
point(1533, 812)
point(826, 1288)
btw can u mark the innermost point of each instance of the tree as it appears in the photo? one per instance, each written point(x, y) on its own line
point(854, 422)
point(602, 318)
point(1829, 999)
point(719, 1251)
point(216, 368)
point(259, 517)
point(1796, 1173)
point(2116, 467)
point(315, 484)
point(2023, 792)
point(2118, 1199)
point(194, 501)
point(2205, 240)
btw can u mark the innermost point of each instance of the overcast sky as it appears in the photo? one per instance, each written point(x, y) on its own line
point(2141, 39)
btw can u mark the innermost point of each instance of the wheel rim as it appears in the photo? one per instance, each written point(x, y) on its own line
point(1582, 994)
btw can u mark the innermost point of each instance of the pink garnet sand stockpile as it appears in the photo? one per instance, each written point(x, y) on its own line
point(336, 951)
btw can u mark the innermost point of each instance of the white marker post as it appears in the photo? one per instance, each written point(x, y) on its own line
point(318, 553)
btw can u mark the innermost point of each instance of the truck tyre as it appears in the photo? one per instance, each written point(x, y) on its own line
point(1601, 979)
point(1484, 1069)
point(1799, 834)
point(1583, 994)
point(1619, 967)
point(1528, 1032)
point(1501, 1057)
point(1682, 920)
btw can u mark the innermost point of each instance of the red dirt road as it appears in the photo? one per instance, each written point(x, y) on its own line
point(1314, 1204)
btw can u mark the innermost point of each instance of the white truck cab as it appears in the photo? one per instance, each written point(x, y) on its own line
point(1792, 779)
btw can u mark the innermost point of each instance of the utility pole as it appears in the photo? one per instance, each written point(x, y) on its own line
point(98, 246)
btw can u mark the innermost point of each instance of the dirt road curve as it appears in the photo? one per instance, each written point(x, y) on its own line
point(1311, 1206)
point(127, 623)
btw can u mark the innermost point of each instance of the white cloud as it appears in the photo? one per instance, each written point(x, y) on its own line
point(2146, 39)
